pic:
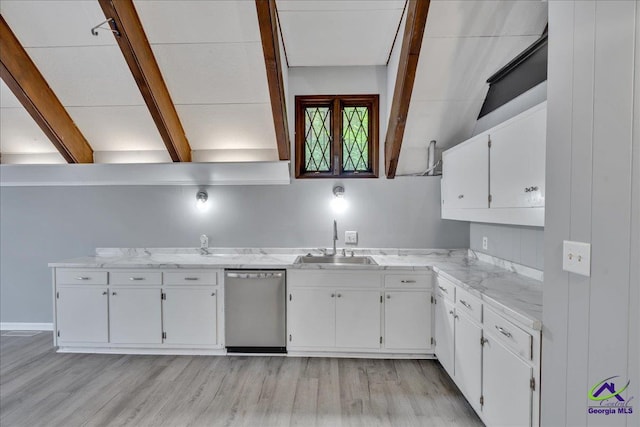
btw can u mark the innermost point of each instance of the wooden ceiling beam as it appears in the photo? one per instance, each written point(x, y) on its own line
point(28, 85)
point(417, 11)
point(137, 52)
point(268, 22)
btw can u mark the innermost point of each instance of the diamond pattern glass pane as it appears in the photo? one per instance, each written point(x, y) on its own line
point(317, 139)
point(355, 137)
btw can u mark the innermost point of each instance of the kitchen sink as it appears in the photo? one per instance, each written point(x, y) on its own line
point(335, 259)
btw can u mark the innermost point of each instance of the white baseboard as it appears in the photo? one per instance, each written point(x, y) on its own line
point(20, 326)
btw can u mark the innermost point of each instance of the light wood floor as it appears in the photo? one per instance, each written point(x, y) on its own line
point(39, 387)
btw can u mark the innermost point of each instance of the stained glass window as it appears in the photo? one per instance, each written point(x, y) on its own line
point(337, 136)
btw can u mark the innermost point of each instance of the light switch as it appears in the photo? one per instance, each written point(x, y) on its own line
point(351, 237)
point(576, 257)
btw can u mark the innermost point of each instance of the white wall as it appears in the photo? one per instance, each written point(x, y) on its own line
point(591, 324)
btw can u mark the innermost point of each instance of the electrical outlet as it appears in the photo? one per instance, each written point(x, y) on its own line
point(485, 243)
point(576, 257)
point(351, 237)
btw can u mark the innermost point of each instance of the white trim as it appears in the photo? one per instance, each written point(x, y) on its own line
point(360, 355)
point(187, 173)
point(20, 326)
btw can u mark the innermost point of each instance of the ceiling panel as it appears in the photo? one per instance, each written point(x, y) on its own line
point(228, 126)
point(199, 21)
point(338, 5)
point(87, 76)
point(458, 68)
point(214, 73)
point(463, 18)
point(7, 98)
point(118, 128)
point(446, 122)
point(19, 133)
point(339, 38)
point(55, 23)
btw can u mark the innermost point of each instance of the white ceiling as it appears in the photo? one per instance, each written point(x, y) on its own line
point(338, 33)
point(87, 73)
point(465, 42)
point(211, 58)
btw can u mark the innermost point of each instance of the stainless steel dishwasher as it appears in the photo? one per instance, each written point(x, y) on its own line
point(255, 307)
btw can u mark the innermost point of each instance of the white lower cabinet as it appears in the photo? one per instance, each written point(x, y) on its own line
point(311, 318)
point(468, 358)
point(506, 386)
point(359, 312)
point(444, 333)
point(135, 315)
point(133, 311)
point(494, 362)
point(407, 320)
point(330, 318)
point(82, 313)
point(358, 319)
point(189, 315)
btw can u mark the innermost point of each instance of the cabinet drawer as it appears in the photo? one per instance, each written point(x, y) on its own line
point(512, 336)
point(84, 277)
point(469, 304)
point(446, 289)
point(191, 278)
point(407, 281)
point(135, 278)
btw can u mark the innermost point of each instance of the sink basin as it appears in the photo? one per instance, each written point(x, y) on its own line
point(335, 259)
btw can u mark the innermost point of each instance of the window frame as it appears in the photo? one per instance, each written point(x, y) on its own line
point(336, 104)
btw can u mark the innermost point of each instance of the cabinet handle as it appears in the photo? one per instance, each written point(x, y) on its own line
point(191, 278)
point(136, 278)
point(213, 294)
point(530, 189)
point(388, 296)
point(451, 312)
point(333, 295)
point(503, 331)
point(445, 290)
point(407, 281)
point(83, 278)
point(455, 316)
point(339, 295)
point(461, 196)
point(466, 304)
point(113, 293)
point(105, 293)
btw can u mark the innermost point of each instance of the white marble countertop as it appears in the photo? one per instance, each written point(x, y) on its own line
point(503, 286)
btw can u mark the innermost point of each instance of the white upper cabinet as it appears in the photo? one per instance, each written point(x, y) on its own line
point(517, 161)
point(466, 184)
point(498, 175)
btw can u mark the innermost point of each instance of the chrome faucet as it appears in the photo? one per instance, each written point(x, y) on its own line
point(335, 237)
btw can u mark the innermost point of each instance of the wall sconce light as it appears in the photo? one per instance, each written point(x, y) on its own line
point(201, 199)
point(339, 204)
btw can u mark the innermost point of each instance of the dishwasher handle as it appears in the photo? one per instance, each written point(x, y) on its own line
point(254, 275)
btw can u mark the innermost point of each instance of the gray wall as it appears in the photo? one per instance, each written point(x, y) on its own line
point(591, 323)
point(43, 224)
point(523, 245)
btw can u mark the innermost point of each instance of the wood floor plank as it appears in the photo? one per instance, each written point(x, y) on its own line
point(39, 387)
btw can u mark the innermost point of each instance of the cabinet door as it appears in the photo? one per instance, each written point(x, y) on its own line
point(134, 315)
point(444, 329)
point(311, 317)
point(189, 315)
point(407, 320)
point(82, 314)
point(466, 174)
point(518, 161)
point(505, 386)
point(468, 359)
point(358, 319)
